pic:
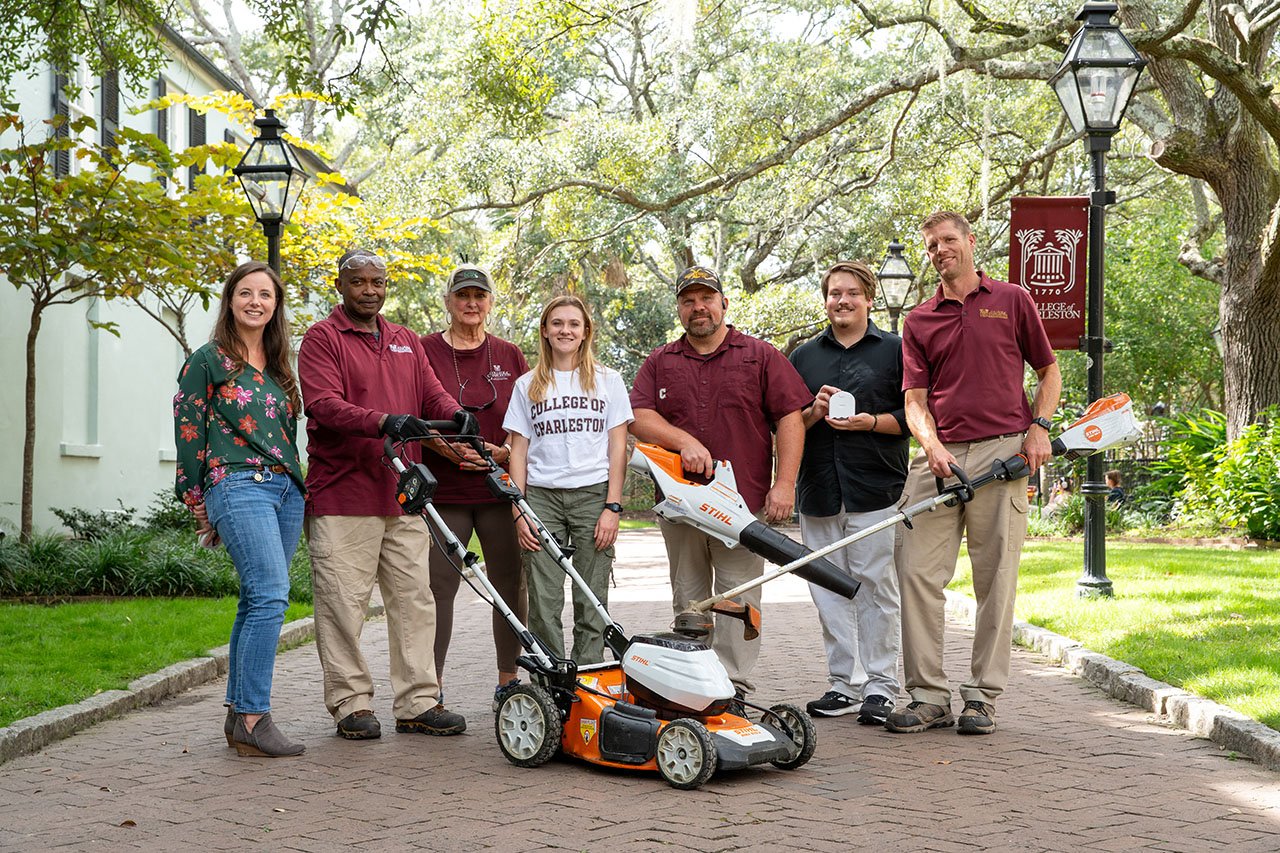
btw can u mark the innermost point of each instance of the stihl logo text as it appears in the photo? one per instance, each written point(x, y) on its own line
point(716, 514)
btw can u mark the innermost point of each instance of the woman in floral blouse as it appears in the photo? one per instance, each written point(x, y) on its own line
point(235, 425)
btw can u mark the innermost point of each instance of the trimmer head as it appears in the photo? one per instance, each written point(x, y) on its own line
point(692, 624)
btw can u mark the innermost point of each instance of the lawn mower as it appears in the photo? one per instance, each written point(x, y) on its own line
point(664, 704)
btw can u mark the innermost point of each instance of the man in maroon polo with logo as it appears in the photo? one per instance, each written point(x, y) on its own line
point(963, 357)
point(716, 393)
point(364, 378)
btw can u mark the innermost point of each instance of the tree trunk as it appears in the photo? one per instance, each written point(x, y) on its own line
point(1249, 313)
point(29, 437)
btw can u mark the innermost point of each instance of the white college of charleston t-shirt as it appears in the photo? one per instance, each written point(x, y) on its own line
point(568, 431)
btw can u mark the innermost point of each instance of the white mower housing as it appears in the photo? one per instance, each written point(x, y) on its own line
point(686, 675)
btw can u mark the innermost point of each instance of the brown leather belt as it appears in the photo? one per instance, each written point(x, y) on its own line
point(274, 469)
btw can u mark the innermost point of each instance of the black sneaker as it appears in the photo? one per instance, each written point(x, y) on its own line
point(977, 718)
point(437, 721)
point(360, 725)
point(875, 709)
point(736, 707)
point(832, 704)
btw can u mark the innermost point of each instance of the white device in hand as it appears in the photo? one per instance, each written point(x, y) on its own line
point(841, 405)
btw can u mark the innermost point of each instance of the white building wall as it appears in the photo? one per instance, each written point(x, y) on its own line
point(104, 422)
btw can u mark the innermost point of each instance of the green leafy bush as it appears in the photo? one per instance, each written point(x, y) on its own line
point(129, 562)
point(1246, 483)
point(86, 524)
point(166, 512)
point(1233, 485)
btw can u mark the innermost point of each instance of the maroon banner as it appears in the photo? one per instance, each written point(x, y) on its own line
point(1047, 240)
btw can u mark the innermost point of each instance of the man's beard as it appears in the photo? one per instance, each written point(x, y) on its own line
point(713, 327)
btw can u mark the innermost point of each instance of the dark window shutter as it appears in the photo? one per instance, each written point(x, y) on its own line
point(61, 107)
point(162, 119)
point(110, 122)
point(196, 135)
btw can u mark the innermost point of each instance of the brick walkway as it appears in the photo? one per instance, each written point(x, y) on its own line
point(1069, 769)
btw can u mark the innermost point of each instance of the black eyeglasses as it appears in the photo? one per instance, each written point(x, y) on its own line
point(462, 386)
point(462, 390)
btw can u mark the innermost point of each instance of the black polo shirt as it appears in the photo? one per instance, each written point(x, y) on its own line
point(853, 471)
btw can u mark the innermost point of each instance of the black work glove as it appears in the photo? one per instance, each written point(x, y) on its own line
point(467, 423)
point(404, 427)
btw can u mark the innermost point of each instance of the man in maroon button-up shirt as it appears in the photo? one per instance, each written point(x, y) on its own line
point(716, 393)
point(963, 357)
point(363, 377)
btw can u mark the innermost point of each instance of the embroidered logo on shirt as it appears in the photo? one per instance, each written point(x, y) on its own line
point(662, 393)
point(993, 313)
point(499, 374)
point(399, 348)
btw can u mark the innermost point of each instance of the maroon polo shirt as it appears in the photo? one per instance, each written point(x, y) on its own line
point(970, 357)
point(729, 400)
point(500, 363)
point(350, 378)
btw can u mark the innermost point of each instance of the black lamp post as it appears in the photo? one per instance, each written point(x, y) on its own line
point(895, 278)
point(272, 177)
point(1094, 83)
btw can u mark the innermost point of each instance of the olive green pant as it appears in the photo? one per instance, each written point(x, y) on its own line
point(570, 515)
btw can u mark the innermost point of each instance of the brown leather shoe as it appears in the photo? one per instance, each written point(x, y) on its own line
point(229, 725)
point(919, 717)
point(977, 718)
point(360, 725)
point(436, 721)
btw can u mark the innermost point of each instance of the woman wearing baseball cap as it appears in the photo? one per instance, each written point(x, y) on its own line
point(479, 369)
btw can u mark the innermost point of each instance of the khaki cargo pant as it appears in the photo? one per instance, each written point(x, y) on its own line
point(348, 553)
point(994, 524)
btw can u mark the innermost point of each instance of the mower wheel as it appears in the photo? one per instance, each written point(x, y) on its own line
point(528, 725)
point(686, 754)
point(799, 728)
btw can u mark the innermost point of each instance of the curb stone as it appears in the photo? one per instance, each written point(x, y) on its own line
point(1201, 717)
point(32, 734)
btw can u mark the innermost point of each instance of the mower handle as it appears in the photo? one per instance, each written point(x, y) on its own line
point(443, 430)
point(962, 491)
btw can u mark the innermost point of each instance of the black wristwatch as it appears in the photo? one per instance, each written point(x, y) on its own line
point(1044, 422)
point(615, 507)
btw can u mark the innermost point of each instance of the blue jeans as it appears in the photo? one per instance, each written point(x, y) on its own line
point(260, 523)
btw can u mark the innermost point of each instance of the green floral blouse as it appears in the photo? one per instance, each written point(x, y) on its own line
point(227, 418)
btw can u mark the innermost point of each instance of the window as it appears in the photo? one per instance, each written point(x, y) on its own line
point(162, 119)
point(61, 107)
point(110, 108)
point(195, 136)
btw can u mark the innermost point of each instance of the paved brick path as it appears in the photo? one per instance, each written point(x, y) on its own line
point(1069, 769)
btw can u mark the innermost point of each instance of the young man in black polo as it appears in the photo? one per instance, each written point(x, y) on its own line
point(851, 477)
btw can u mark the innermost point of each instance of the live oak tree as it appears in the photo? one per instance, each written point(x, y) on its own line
point(769, 138)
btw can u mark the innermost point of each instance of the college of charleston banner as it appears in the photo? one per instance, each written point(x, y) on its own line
point(1047, 244)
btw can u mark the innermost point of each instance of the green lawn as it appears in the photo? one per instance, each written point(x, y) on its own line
point(1204, 619)
point(54, 655)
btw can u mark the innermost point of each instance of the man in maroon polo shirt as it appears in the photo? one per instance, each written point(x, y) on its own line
point(362, 378)
point(963, 355)
point(716, 393)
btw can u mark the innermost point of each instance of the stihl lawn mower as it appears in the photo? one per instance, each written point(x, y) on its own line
point(664, 704)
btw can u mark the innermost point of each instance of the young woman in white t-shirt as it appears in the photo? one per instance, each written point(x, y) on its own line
point(568, 425)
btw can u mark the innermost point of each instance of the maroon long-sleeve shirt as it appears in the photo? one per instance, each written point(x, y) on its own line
point(350, 378)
